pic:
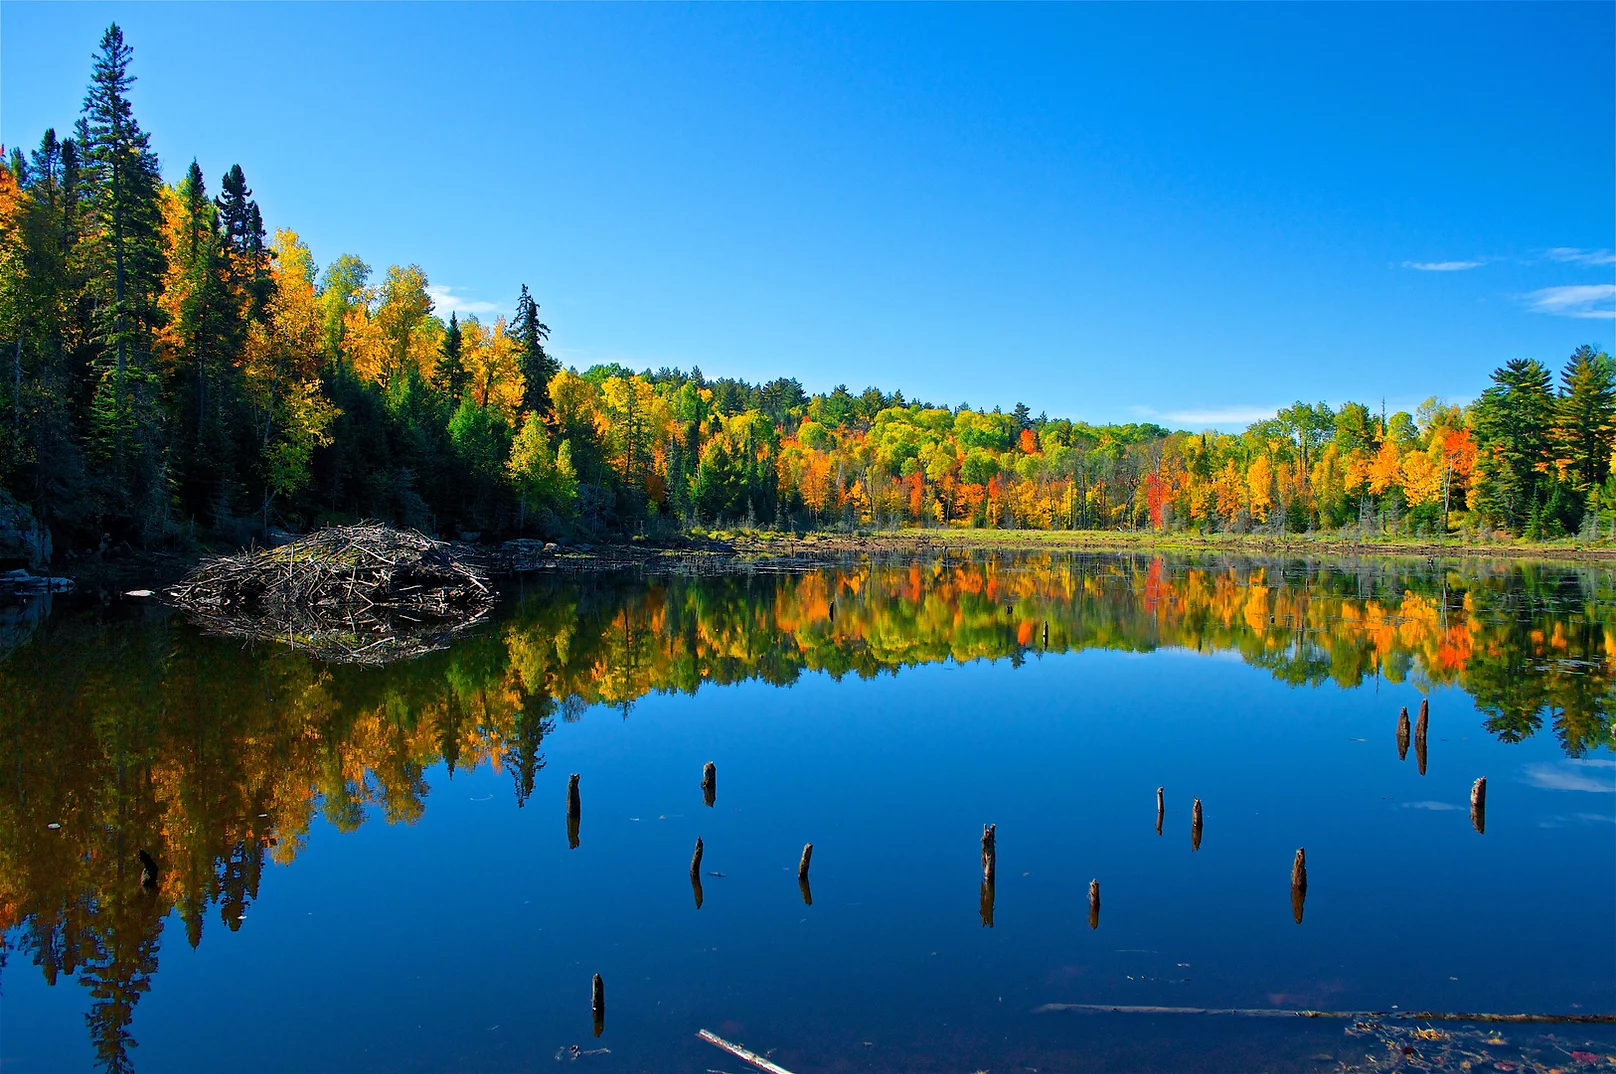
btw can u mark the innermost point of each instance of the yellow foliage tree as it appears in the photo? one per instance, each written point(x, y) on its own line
point(493, 361)
point(1386, 470)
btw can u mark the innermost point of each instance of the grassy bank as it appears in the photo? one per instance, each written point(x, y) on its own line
point(1291, 544)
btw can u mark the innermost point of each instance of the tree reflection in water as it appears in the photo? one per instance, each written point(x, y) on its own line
point(133, 732)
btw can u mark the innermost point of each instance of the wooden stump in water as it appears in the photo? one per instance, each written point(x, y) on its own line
point(807, 892)
point(1402, 733)
point(1298, 884)
point(709, 783)
point(695, 860)
point(1161, 810)
point(987, 903)
point(597, 1004)
point(574, 811)
point(1195, 825)
point(990, 853)
point(1478, 805)
point(1423, 724)
point(802, 863)
point(1094, 904)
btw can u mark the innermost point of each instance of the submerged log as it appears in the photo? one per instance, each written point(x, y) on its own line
point(1478, 805)
point(1402, 734)
point(742, 1054)
point(709, 783)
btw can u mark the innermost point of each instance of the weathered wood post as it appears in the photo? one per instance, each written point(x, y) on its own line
point(597, 1004)
point(709, 783)
point(1195, 825)
point(1478, 805)
point(1094, 904)
point(1161, 810)
point(574, 811)
point(695, 872)
point(1402, 734)
point(990, 853)
point(802, 863)
point(1298, 884)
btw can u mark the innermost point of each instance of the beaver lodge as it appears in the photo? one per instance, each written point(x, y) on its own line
point(366, 594)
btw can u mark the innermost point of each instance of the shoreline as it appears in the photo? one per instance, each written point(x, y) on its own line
point(718, 551)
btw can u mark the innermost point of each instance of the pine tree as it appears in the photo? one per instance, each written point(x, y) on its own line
point(124, 221)
point(451, 371)
point(1514, 419)
point(1586, 417)
point(243, 228)
point(537, 366)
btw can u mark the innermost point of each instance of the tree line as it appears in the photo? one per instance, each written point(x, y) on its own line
point(179, 373)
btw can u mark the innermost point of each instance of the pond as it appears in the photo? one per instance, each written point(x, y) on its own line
point(360, 868)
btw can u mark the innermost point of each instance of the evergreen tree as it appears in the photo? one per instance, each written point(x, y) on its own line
point(451, 371)
point(1586, 417)
point(124, 225)
point(243, 228)
point(1514, 419)
point(537, 366)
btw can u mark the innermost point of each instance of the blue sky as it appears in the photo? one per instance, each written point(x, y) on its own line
point(1190, 214)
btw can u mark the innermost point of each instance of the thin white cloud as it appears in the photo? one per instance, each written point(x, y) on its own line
point(1222, 417)
point(1593, 301)
point(1572, 776)
point(1573, 256)
point(1442, 266)
point(446, 301)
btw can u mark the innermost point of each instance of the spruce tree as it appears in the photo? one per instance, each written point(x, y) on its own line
point(1586, 417)
point(124, 223)
point(450, 370)
point(1514, 419)
point(537, 366)
point(243, 230)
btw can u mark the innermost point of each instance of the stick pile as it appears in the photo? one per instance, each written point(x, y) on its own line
point(366, 594)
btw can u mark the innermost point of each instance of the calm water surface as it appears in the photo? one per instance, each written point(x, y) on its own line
point(370, 869)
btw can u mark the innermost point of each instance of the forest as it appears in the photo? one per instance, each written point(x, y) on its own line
point(179, 375)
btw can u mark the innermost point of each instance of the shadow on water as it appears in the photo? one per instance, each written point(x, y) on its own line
point(155, 770)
